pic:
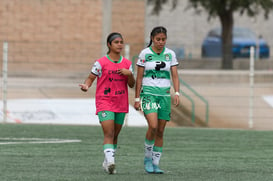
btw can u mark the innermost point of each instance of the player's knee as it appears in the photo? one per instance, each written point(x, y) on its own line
point(152, 130)
point(160, 133)
point(115, 138)
point(109, 134)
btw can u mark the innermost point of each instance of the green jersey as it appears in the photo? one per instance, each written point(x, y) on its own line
point(157, 75)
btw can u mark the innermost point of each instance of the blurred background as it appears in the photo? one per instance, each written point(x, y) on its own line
point(50, 45)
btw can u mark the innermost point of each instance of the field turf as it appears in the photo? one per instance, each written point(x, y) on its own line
point(189, 154)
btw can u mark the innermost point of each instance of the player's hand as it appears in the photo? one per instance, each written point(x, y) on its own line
point(176, 100)
point(84, 87)
point(137, 106)
point(124, 72)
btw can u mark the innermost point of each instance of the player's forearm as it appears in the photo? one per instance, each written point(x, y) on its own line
point(131, 80)
point(140, 71)
point(138, 87)
point(88, 82)
point(90, 79)
point(176, 84)
point(175, 78)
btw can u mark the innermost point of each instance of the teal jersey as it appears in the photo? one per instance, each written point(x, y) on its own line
point(157, 75)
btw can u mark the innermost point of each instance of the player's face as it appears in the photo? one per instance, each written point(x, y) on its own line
point(116, 45)
point(159, 41)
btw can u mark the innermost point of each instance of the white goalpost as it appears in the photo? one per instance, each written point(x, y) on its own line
point(251, 87)
point(5, 80)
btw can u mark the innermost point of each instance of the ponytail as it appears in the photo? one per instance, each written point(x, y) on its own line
point(155, 31)
point(150, 43)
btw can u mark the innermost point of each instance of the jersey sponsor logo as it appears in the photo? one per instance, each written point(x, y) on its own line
point(147, 104)
point(149, 57)
point(160, 65)
point(149, 148)
point(119, 92)
point(153, 76)
point(150, 105)
point(117, 80)
point(107, 90)
point(96, 70)
point(112, 71)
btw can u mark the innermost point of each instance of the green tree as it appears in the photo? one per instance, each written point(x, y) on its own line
point(224, 10)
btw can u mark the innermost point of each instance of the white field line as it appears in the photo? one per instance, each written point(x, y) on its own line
point(34, 141)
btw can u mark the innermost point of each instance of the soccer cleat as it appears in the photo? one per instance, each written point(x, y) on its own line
point(111, 168)
point(157, 170)
point(148, 165)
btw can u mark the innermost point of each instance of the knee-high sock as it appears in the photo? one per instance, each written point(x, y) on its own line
point(157, 152)
point(148, 148)
point(109, 153)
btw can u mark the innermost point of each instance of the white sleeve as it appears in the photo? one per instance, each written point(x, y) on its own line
point(141, 59)
point(174, 59)
point(96, 69)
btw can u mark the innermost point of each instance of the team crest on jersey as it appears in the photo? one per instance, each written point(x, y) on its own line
point(167, 57)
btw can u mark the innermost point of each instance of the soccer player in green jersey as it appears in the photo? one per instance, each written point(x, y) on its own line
point(156, 67)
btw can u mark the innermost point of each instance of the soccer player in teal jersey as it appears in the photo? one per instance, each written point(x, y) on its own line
point(157, 66)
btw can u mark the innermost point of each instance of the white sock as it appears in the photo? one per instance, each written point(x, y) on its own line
point(156, 157)
point(109, 155)
point(148, 150)
point(115, 150)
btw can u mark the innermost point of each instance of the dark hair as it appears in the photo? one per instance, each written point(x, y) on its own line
point(111, 37)
point(155, 31)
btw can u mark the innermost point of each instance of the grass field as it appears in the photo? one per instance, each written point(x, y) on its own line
point(189, 154)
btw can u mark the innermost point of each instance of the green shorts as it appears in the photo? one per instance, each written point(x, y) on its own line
point(158, 104)
point(108, 115)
